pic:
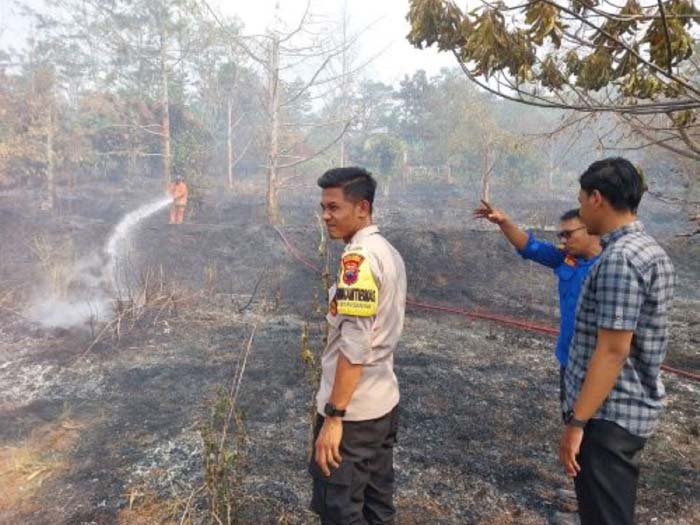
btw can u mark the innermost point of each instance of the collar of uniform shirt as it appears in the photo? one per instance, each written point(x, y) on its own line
point(364, 233)
point(610, 237)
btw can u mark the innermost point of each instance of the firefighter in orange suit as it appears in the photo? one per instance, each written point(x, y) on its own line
point(178, 191)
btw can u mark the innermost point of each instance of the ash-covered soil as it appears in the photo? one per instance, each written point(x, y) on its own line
point(112, 432)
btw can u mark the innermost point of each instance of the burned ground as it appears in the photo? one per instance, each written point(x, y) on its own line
point(112, 432)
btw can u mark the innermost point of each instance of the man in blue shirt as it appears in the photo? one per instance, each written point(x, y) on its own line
point(570, 261)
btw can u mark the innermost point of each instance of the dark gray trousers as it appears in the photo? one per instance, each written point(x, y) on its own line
point(361, 490)
point(606, 486)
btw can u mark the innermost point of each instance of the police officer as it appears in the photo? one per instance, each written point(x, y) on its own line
point(355, 431)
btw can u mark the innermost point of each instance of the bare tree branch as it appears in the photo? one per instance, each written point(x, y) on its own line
point(302, 21)
point(320, 151)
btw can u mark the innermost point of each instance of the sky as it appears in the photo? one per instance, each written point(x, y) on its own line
point(385, 21)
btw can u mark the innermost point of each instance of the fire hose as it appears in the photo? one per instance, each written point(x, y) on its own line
point(485, 316)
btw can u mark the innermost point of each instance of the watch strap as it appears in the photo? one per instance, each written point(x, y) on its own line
point(572, 421)
point(331, 410)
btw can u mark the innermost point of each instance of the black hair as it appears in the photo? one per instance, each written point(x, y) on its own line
point(357, 183)
point(617, 180)
point(571, 214)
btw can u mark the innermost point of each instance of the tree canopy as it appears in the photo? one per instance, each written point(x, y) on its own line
point(633, 58)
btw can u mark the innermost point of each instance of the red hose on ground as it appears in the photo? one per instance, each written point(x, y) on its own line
point(681, 373)
point(485, 316)
point(296, 253)
point(508, 321)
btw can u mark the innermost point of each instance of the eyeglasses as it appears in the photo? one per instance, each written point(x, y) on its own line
point(566, 234)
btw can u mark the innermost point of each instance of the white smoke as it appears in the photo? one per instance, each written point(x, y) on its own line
point(96, 280)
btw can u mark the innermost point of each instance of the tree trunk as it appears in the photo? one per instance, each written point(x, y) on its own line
point(50, 164)
point(165, 121)
point(230, 143)
point(342, 151)
point(486, 168)
point(273, 151)
point(344, 82)
point(552, 166)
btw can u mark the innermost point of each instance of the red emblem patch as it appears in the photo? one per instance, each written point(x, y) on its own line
point(351, 268)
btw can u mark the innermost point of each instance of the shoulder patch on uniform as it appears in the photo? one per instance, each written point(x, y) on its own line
point(357, 294)
point(351, 267)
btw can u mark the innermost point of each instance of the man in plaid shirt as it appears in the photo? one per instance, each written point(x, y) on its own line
point(613, 390)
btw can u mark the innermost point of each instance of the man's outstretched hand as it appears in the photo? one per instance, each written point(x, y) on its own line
point(491, 214)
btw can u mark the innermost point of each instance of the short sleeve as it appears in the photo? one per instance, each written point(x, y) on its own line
point(356, 339)
point(619, 293)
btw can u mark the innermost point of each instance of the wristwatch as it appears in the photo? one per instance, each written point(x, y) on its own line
point(332, 411)
point(571, 421)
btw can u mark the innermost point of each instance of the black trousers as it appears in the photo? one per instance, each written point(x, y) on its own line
point(361, 489)
point(606, 486)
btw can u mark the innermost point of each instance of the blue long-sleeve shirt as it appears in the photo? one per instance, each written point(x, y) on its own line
point(571, 272)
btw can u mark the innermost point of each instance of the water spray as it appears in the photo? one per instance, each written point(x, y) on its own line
point(118, 247)
point(94, 283)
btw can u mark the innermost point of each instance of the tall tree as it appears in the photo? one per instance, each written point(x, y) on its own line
point(33, 96)
point(137, 49)
point(227, 95)
point(294, 61)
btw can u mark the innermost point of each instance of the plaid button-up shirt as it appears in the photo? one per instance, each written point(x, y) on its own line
point(630, 289)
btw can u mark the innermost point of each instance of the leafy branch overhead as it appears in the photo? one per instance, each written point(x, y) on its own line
point(549, 45)
point(588, 55)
